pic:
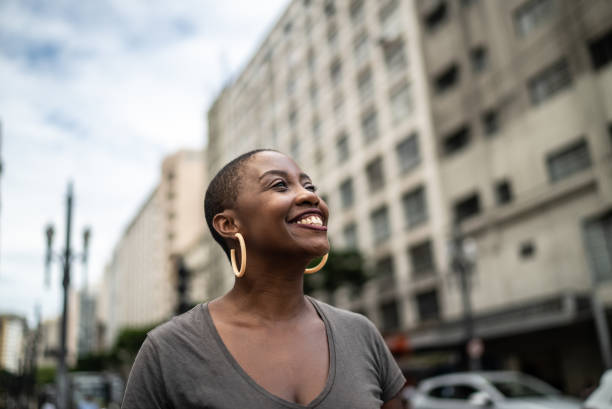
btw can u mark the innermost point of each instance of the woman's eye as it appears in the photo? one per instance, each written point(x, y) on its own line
point(280, 185)
point(312, 188)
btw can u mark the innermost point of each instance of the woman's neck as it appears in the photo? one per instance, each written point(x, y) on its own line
point(269, 292)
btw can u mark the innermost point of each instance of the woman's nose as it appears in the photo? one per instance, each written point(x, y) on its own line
point(307, 196)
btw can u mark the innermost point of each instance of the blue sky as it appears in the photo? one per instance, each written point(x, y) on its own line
point(98, 92)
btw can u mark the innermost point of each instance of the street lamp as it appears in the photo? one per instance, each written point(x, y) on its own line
point(65, 259)
point(464, 255)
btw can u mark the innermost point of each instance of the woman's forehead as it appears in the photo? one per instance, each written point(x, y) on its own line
point(264, 162)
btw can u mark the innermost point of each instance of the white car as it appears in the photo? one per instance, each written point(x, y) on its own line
point(499, 390)
point(601, 398)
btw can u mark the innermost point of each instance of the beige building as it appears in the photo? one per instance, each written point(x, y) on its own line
point(13, 331)
point(425, 121)
point(139, 285)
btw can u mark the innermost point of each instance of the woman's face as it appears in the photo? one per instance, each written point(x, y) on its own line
point(278, 209)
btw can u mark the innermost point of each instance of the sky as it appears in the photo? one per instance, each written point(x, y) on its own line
point(98, 92)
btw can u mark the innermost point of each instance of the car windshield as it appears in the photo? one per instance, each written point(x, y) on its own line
point(516, 389)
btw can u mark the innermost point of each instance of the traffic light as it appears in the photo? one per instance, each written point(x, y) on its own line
point(182, 286)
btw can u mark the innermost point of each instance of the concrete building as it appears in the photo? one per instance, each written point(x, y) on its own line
point(139, 286)
point(12, 337)
point(426, 121)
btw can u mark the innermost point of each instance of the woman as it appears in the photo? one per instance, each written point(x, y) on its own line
point(264, 344)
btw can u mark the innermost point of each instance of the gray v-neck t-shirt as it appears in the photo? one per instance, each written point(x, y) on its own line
point(184, 364)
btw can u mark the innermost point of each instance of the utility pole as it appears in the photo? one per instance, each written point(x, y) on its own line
point(463, 259)
point(63, 401)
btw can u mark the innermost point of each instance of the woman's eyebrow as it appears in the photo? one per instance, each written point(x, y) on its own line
point(282, 173)
point(273, 172)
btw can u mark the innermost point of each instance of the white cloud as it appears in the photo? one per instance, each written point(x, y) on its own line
point(98, 92)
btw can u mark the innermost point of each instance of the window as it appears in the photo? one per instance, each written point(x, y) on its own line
point(346, 193)
point(532, 14)
point(503, 192)
point(549, 81)
point(375, 174)
point(467, 207)
point(479, 58)
point(408, 153)
point(569, 161)
point(389, 18)
point(290, 86)
point(349, 234)
point(369, 126)
point(338, 104)
point(385, 266)
point(329, 8)
point(401, 102)
point(598, 237)
point(415, 209)
point(390, 315)
point(447, 78)
point(293, 118)
point(490, 122)
point(436, 16)
point(342, 147)
point(360, 48)
point(380, 224)
point(311, 60)
point(307, 26)
point(314, 92)
point(316, 128)
point(332, 35)
point(601, 50)
point(527, 249)
point(427, 305)
point(385, 273)
point(421, 258)
point(357, 11)
point(462, 392)
point(395, 57)
point(456, 140)
point(335, 71)
point(365, 84)
point(295, 147)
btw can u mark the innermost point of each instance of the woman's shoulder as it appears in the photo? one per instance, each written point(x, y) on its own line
point(186, 326)
point(341, 317)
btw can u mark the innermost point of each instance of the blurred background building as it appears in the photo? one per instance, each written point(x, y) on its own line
point(427, 123)
point(13, 331)
point(139, 281)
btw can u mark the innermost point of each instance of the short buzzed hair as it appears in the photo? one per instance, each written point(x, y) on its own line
point(223, 190)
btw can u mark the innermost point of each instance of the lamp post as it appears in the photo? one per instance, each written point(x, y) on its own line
point(464, 253)
point(65, 259)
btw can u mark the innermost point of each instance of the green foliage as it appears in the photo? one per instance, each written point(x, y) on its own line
point(130, 340)
point(344, 267)
point(97, 362)
point(45, 375)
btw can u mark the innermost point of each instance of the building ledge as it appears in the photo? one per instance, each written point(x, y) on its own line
point(529, 203)
point(554, 311)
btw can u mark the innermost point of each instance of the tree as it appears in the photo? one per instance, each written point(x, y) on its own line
point(344, 267)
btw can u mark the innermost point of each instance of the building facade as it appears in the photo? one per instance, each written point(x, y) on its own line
point(12, 337)
point(139, 286)
point(426, 123)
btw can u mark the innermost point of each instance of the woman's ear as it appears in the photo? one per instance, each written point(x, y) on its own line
point(225, 224)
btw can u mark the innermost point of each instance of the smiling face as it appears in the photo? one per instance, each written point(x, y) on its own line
point(278, 210)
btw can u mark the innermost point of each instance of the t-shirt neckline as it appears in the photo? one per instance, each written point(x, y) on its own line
point(330, 374)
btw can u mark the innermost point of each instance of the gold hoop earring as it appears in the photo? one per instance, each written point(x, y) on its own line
point(242, 256)
point(318, 266)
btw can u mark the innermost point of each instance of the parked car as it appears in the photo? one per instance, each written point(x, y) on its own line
point(499, 390)
point(601, 398)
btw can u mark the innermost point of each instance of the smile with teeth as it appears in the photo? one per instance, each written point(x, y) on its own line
point(316, 220)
